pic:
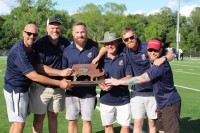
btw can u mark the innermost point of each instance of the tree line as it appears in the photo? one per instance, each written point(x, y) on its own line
point(101, 18)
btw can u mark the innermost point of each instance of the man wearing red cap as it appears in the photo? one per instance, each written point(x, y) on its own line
point(167, 98)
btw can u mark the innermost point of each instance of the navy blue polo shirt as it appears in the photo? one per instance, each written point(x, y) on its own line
point(71, 56)
point(118, 68)
point(19, 63)
point(50, 54)
point(140, 63)
point(163, 85)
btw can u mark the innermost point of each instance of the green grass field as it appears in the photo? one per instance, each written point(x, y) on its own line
point(186, 78)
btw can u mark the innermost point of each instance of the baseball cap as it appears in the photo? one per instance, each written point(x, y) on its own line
point(154, 44)
point(53, 19)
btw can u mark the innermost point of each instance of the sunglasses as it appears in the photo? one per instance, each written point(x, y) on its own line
point(29, 34)
point(153, 50)
point(127, 39)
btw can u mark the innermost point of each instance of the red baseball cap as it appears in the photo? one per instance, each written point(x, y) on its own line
point(154, 44)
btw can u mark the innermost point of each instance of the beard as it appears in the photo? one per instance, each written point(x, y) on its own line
point(80, 41)
point(132, 45)
point(54, 36)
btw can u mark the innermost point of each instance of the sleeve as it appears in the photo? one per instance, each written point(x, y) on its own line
point(64, 60)
point(155, 72)
point(23, 62)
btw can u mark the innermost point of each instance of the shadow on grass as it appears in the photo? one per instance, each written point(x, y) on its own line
point(190, 126)
point(116, 130)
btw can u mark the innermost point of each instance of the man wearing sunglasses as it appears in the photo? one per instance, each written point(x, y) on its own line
point(167, 98)
point(20, 72)
point(142, 99)
point(45, 98)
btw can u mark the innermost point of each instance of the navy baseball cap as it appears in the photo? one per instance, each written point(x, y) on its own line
point(54, 19)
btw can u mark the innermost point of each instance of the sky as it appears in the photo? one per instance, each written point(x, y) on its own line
point(133, 6)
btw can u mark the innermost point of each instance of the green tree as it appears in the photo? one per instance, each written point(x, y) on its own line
point(91, 15)
point(194, 35)
point(37, 13)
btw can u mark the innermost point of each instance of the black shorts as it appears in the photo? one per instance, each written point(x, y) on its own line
point(169, 118)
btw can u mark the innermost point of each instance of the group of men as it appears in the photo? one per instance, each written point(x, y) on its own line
point(42, 69)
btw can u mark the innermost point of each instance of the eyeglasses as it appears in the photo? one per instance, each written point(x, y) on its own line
point(127, 39)
point(30, 33)
point(153, 50)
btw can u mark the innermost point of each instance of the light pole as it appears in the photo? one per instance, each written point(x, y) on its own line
point(177, 32)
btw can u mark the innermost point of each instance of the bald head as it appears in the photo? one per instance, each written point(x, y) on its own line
point(31, 27)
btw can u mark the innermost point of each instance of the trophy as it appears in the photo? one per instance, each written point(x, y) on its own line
point(90, 70)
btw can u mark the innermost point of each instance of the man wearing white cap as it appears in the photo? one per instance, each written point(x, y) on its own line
point(45, 98)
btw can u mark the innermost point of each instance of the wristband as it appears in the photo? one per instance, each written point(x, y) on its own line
point(165, 58)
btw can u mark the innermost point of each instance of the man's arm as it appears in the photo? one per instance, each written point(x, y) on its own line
point(64, 84)
point(101, 53)
point(132, 81)
point(46, 70)
point(168, 57)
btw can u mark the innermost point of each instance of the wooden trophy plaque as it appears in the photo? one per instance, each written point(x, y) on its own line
point(90, 70)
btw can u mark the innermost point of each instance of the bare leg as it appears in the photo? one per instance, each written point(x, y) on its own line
point(138, 124)
point(125, 129)
point(52, 122)
point(38, 123)
point(109, 129)
point(17, 127)
point(87, 127)
point(73, 126)
point(152, 127)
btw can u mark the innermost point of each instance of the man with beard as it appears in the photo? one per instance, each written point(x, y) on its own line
point(44, 98)
point(20, 72)
point(80, 101)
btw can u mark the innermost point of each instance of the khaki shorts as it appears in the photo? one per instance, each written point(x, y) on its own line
point(80, 107)
point(111, 114)
point(44, 99)
point(17, 106)
point(143, 104)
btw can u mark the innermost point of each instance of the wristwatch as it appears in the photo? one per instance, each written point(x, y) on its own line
point(165, 58)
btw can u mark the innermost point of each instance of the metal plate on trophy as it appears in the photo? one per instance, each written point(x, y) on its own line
point(90, 70)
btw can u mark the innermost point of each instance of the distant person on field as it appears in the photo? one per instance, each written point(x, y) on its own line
point(167, 98)
point(20, 72)
point(181, 54)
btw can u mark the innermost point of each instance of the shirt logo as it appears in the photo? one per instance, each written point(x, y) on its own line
point(89, 55)
point(143, 57)
point(121, 63)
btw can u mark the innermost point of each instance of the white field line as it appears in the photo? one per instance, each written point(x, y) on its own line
point(189, 62)
point(188, 88)
point(186, 72)
point(184, 65)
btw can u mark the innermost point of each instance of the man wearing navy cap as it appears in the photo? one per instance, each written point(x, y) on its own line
point(167, 98)
point(20, 72)
point(43, 98)
point(115, 100)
